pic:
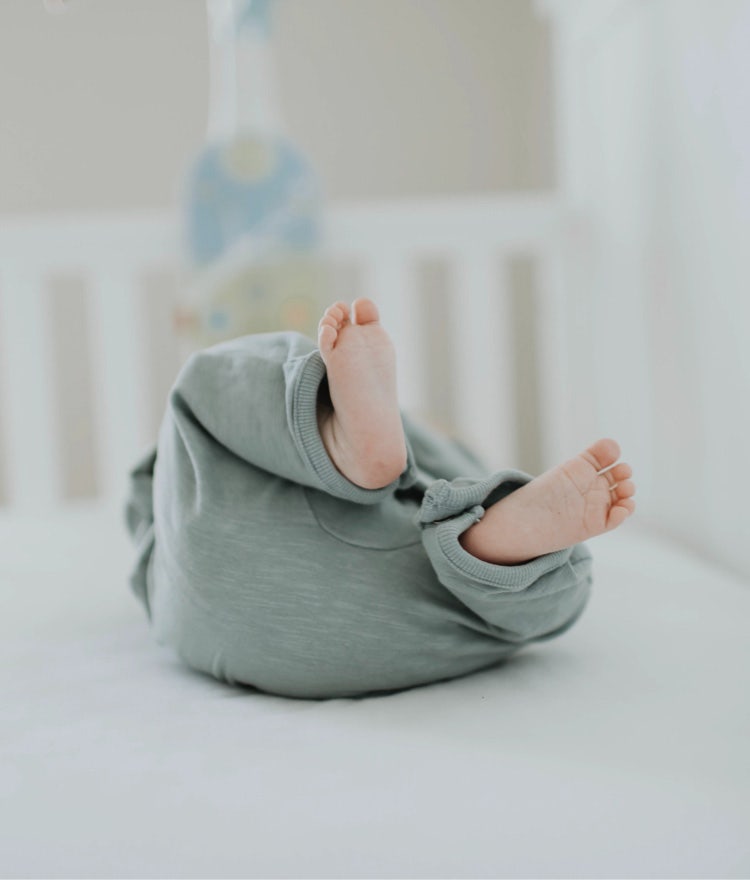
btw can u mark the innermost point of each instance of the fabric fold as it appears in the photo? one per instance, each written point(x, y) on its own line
point(446, 498)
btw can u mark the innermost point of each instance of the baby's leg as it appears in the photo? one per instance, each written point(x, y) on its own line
point(261, 398)
point(525, 602)
point(581, 498)
point(363, 434)
point(361, 427)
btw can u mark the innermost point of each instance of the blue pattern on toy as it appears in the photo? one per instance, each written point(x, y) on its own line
point(257, 186)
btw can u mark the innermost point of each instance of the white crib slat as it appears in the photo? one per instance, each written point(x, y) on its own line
point(485, 398)
point(32, 442)
point(390, 281)
point(555, 382)
point(118, 376)
point(110, 252)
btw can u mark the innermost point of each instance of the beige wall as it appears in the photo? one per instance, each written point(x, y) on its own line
point(102, 107)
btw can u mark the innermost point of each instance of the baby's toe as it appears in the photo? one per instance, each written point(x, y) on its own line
point(341, 310)
point(624, 489)
point(618, 513)
point(620, 472)
point(327, 334)
point(603, 453)
point(338, 312)
point(364, 311)
point(329, 320)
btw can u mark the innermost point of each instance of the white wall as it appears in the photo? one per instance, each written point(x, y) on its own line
point(704, 218)
point(654, 121)
point(102, 107)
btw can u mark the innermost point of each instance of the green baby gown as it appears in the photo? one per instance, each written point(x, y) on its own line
point(259, 563)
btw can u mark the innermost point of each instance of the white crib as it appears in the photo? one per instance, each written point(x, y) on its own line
point(469, 288)
point(617, 750)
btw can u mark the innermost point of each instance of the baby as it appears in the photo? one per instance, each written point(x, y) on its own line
point(299, 534)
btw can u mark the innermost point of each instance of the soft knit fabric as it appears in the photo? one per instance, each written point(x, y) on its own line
point(259, 563)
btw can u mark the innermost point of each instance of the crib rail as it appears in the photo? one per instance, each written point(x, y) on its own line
point(115, 401)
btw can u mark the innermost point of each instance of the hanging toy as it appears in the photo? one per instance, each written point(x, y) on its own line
point(252, 224)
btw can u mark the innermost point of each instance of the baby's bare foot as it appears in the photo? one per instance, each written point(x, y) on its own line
point(570, 503)
point(363, 433)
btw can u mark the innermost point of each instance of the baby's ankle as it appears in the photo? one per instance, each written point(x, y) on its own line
point(484, 540)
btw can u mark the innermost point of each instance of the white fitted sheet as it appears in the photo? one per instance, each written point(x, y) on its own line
point(620, 749)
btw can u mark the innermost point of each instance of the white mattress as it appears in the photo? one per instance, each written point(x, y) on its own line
point(620, 749)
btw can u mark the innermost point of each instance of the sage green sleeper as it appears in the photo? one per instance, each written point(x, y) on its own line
point(259, 563)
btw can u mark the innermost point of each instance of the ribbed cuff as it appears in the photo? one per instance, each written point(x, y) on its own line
point(303, 377)
point(448, 509)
